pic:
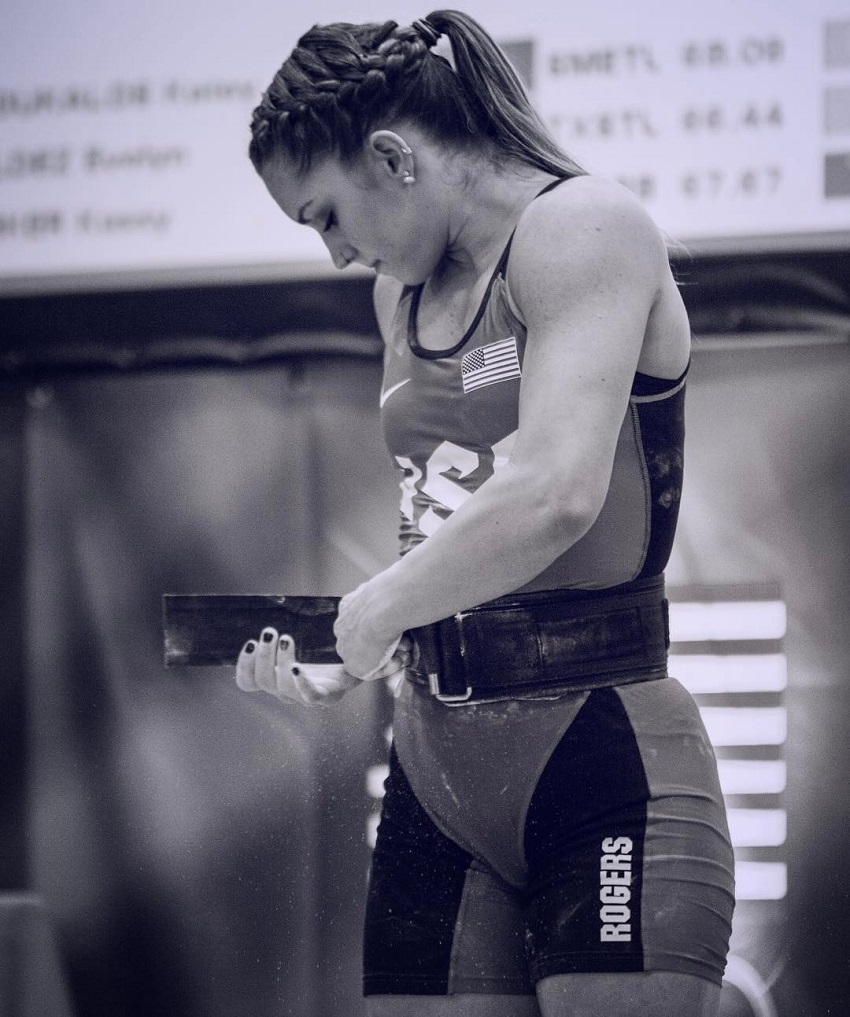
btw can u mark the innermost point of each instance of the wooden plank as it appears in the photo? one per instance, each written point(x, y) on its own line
point(210, 629)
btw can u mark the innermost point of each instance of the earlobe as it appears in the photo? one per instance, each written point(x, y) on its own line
point(393, 153)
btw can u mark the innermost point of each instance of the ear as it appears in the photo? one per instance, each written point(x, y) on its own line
point(392, 153)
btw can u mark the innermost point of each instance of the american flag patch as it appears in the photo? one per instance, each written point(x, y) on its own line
point(489, 364)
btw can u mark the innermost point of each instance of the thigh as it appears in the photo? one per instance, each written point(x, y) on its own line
point(631, 869)
point(438, 922)
point(648, 994)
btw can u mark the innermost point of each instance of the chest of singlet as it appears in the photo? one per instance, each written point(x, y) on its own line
point(450, 420)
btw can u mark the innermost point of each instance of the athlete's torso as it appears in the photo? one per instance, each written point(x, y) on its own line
point(450, 417)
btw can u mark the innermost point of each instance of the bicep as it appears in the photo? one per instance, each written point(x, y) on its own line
point(585, 302)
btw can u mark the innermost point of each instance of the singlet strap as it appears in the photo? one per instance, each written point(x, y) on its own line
point(499, 270)
point(412, 332)
point(502, 266)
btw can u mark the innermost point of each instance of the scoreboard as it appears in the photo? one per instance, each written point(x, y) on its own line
point(124, 127)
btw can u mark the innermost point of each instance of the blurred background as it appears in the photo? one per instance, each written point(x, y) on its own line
point(189, 403)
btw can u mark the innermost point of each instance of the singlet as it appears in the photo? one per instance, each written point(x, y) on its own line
point(450, 418)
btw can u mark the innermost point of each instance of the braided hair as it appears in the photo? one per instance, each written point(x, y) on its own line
point(342, 81)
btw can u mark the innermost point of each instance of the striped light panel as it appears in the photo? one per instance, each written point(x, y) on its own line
point(727, 651)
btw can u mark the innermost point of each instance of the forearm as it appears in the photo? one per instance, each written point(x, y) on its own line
point(508, 532)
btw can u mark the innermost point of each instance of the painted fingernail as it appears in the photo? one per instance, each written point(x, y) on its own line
point(296, 670)
point(268, 637)
point(250, 647)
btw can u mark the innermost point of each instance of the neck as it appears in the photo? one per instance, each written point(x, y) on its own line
point(486, 211)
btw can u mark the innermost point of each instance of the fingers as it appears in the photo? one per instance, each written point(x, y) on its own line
point(286, 684)
point(322, 683)
point(308, 684)
point(405, 653)
point(245, 668)
point(400, 658)
point(264, 660)
point(255, 666)
point(270, 665)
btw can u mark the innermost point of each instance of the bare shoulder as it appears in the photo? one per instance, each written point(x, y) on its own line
point(589, 205)
point(588, 260)
point(585, 226)
point(386, 294)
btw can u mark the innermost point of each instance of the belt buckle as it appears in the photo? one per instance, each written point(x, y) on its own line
point(446, 697)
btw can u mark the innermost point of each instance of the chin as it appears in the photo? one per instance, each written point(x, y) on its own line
point(409, 277)
point(407, 274)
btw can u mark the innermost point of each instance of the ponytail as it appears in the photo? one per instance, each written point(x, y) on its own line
point(342, 81)
point(498, 96)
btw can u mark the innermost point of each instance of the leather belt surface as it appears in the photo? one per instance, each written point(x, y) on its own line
point(541, 641)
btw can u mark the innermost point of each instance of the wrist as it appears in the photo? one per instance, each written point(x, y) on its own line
point(383, 623)
point(382, 668)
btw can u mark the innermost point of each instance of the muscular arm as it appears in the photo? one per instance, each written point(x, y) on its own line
point(586, 268)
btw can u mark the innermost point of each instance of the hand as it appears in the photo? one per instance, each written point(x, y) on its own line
point(269, 665)
point(366, 653)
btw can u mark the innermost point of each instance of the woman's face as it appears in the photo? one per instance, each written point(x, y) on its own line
point(363, 212)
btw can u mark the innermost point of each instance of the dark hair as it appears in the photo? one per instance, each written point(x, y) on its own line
point(342, 81)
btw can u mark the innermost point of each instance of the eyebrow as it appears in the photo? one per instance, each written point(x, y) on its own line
point(301, 211)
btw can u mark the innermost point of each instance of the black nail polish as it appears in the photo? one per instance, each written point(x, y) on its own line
point(250, 647)
point(268, 637)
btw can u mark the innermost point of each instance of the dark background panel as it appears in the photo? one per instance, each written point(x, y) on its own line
point(201, 851)
point(178, 828)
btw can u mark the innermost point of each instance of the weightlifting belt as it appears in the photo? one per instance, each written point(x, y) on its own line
point(544, 643)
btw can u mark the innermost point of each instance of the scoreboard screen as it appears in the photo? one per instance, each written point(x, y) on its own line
point(124, 127)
